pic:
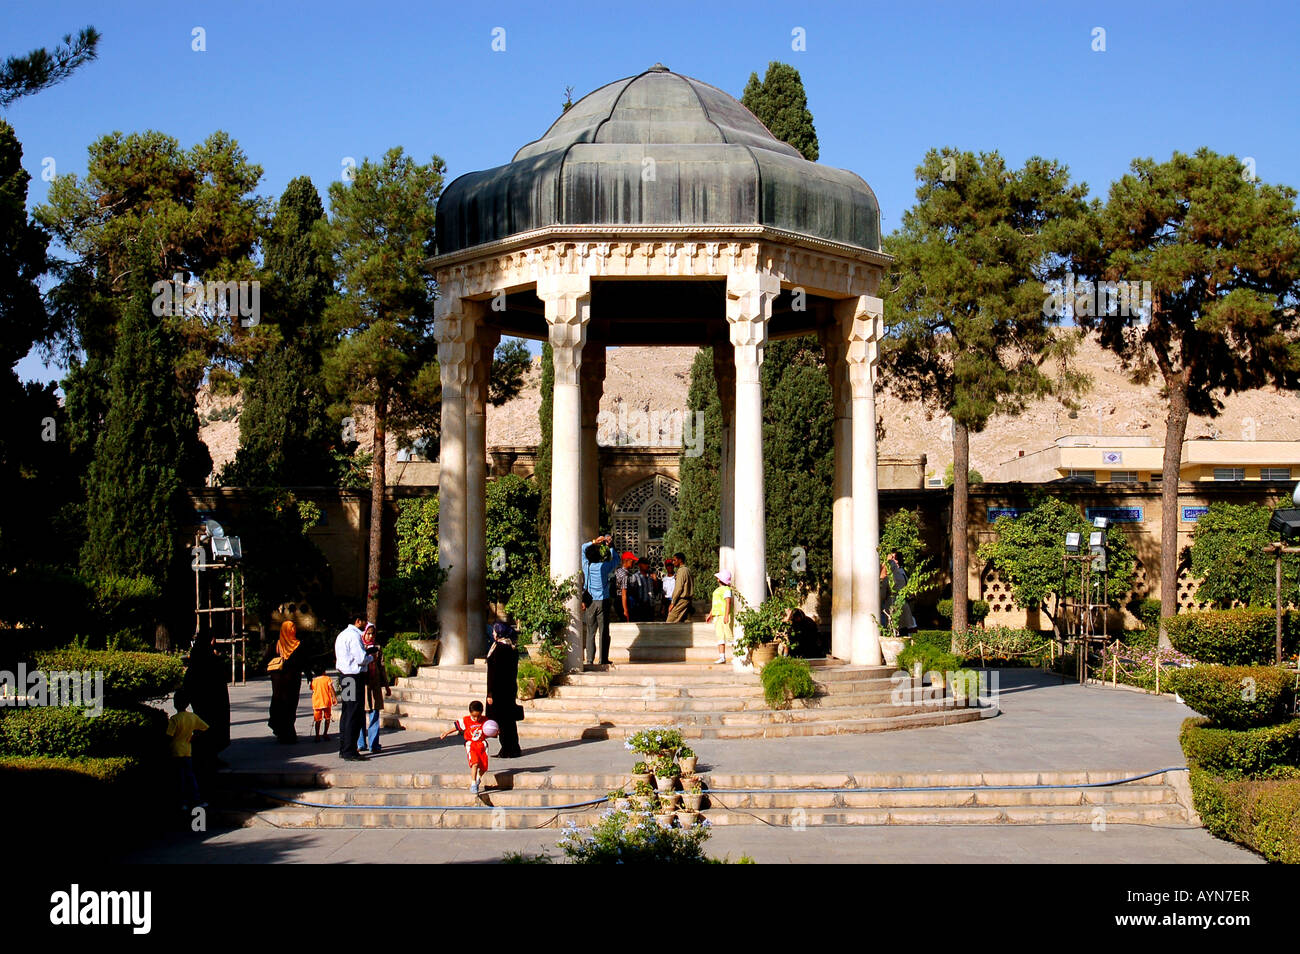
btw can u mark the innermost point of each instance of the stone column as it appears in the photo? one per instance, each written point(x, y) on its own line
point(749, 306)
point(567, 298)
point(454, 330)
point(593, 385)
point(476, 556)
point(863, 323)
point(833, 340)
point(724, 372)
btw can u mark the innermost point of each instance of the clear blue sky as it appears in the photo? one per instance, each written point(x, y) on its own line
point(302, 86)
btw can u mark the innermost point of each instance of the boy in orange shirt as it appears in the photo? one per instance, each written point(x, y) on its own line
point(323, 698)
point(475, 742)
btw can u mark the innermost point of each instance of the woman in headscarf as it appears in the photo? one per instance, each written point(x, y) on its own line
point(503, 687)
point(285, 668)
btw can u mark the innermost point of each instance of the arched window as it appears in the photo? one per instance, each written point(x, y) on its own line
point(641, 517)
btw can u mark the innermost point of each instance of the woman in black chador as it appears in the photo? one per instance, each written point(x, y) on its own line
point(502, 687)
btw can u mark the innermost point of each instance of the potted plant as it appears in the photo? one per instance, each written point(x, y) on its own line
point(686, 758)
point(401, 657)
point(643, 797)
point(619, 800)
point(689, 780)
point(669, 800)
point(641, 773)
point(655, 742)
point(693, 797)
point(687, 819)
point(760, 627)
point(665, 818)
point(540, 608)
point(666, 774)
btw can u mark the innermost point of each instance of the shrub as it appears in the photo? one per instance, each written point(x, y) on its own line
point(940, 639)
point(532, 680)
point(786, 679)
point(1234, 637)
point(931, 658)
point(976, 610)
point(399, 647)
point(68, 733)
point(1262, 815)
point(1236, 697)
point(128, 677)
point(540, 606)
point(1148, 610)
point(1269, 752)
point(627, 838)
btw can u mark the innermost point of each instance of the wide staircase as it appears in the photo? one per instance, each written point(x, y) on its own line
point(644, 687)
point(514, 800)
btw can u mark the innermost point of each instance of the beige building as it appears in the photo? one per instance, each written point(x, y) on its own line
point(1137, 460)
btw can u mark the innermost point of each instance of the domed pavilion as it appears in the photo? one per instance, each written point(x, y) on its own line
point(658, 211)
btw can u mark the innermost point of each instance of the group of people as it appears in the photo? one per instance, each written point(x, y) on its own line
point(627, 588)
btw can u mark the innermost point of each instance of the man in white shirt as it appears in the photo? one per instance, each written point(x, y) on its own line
point(350, 659)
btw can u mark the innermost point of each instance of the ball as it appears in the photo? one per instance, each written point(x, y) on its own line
point(491, 729)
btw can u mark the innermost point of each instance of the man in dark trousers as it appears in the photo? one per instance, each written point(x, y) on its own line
point(350, 659)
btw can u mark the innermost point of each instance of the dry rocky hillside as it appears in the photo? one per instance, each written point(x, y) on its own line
point(655, 381)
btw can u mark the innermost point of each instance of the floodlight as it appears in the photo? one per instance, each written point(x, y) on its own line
point(1072, 542)
point(226, 548)
point(1101, 523)
point(1096, 539)
point(1286, 524)
point(1295, 494)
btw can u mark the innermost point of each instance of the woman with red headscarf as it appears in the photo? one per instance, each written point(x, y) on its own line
point(285, 668)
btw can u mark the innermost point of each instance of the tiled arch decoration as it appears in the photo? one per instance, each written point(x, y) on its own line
point(642, 514)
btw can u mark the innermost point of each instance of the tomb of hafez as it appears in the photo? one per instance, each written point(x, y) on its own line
point(657, 210)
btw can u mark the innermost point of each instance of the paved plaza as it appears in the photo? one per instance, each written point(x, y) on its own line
point(1045, 725)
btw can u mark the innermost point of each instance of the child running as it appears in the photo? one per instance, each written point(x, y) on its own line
point(323, 699)
point(475, 742)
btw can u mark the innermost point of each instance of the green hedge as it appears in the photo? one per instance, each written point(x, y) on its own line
point(1237, 697)
point(1268, 752)
point(939, 639)
point(1262, 815)
point(68, 733)
point(128, 677)
point(786, 679)
point(1234, 637)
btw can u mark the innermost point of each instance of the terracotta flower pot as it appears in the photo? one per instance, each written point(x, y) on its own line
point(763, 654)
point(428, 648)
point(688, 764)
point(670, 800)
point(665, 819)
point(687, 819)
point(691, 801)
point(666, 784)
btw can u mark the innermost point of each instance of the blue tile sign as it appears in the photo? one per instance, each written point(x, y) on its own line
point(996, 513)
point(1115, 514)
point(1192, 514)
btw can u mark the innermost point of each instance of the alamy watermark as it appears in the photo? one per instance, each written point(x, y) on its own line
point(214, 299)
point(82, 689)
point(1082, 298)
point(652, 428)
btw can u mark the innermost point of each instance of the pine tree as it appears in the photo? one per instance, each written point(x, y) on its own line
point(781, 104)
point(964, 302)
point(40, 69)
point(384, 355)
point(1221, 250)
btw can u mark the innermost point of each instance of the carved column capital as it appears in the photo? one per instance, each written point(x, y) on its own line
point(863, 325)
point(750, 295)
point(567, 297)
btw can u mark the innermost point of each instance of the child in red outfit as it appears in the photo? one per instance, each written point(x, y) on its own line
point(475, 742)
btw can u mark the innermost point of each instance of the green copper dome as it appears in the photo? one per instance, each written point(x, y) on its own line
point(658, 149)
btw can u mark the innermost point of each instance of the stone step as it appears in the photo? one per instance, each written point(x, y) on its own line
point(503, 777)
point(651, 713)
point(1114, 814)
point(572, 729)
point(482, 816)
point(458, 795)
point(644, 699)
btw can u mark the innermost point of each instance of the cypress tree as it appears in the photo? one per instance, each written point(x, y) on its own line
point(146, 454)
point(781, 104)
point(542, 472)
point(284, 428)
point(695, 528)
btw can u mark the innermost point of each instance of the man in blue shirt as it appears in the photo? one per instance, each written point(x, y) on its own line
point(595, 580)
